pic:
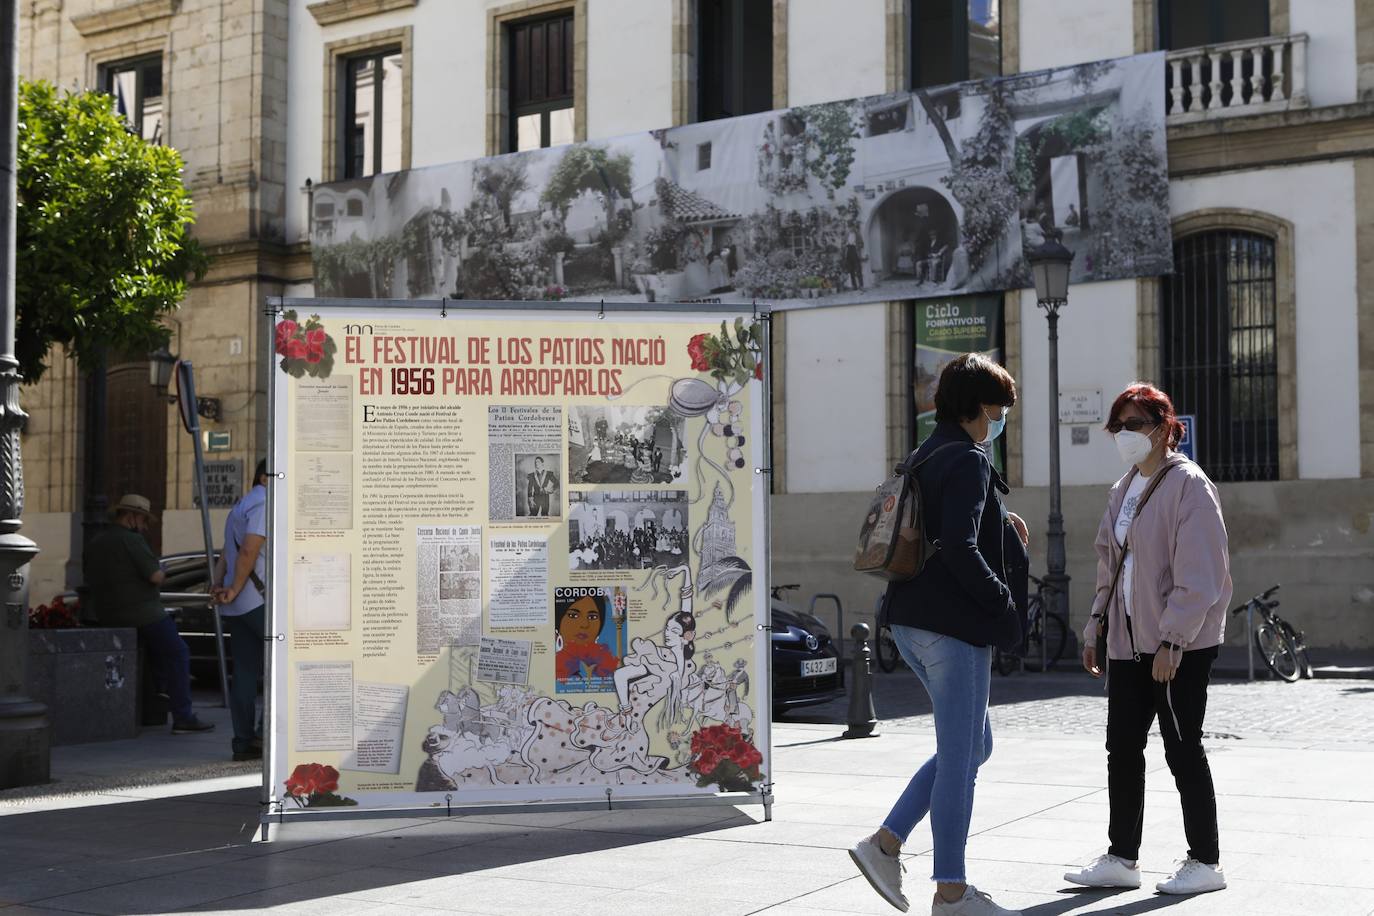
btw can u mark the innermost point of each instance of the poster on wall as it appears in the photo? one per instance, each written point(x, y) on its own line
point(514, 556)
point(946, 328)
point(911, 195)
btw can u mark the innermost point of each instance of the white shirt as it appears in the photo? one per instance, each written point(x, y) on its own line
point(1123, 526)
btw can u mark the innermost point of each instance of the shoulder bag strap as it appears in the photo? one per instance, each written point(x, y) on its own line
point(252, 573)
point(1126, 545)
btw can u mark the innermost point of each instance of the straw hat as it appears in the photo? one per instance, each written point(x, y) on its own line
point(132, 502)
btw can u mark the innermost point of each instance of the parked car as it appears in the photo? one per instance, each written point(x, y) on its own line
point(806, 664)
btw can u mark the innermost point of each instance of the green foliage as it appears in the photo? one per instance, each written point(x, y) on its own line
point(104, 243)
point(984, 180)
point(588, 168)
point(833, 130)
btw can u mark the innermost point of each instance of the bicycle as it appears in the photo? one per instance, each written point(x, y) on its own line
point(1283, 648)
point(1047, 629)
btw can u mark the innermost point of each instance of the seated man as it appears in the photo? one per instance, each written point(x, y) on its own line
point(123, 578)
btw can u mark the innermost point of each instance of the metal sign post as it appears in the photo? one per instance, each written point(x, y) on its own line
point(186, 405)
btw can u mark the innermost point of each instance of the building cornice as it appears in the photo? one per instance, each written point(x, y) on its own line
point(273, 262)
point(328, 12)
point(122, 17)
point(1282, 138)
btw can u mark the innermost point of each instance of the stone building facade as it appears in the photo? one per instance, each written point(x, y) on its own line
point(1285, 173)
point(207, 77)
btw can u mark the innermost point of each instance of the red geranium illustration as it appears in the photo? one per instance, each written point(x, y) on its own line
point(309, 778)
point(315, 785)
point(305, 347)
point(722, 755)
point(286, 330)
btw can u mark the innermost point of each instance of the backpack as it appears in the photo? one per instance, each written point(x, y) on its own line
point(892, 542)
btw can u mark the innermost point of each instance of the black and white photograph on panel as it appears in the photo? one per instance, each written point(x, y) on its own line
point(627, 529)
point(538, 485)
point(640, 444)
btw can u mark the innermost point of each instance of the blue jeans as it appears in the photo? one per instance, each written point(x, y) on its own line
point(171, 659)
point(246, 635)
point(956, 675)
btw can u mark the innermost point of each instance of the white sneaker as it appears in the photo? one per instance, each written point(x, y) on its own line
point(1107, 871)
point(883, 871)
point(973, 903)
point(1193, 877)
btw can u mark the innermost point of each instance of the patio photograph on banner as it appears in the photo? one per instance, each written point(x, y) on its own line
point(909, 195)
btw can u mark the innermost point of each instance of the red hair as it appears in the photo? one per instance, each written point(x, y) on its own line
point(1154, 403)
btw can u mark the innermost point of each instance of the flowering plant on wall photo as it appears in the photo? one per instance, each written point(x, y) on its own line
point(304, 348)
point(315, 785)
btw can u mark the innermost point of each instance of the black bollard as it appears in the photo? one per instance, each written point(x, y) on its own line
point(862, 718)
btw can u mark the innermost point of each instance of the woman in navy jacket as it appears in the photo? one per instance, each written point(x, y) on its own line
point(946, 621)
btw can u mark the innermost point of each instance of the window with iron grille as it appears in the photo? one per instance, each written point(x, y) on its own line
point(540, 52)
point(1219, 350)
point(136, 86)
point(372, 104)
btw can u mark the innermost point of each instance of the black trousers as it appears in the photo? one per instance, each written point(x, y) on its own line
point(1133, 701)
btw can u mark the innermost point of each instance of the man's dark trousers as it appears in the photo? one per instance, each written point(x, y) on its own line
point(171, 660)
point(247, 633)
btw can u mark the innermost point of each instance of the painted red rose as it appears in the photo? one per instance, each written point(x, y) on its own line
point(315, 337)
point(696, 348)
point(286, 330)
point(758, 370)
point(296, 349)
point(313, 354)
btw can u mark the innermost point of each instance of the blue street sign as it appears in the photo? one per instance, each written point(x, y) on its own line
point(1188, 444)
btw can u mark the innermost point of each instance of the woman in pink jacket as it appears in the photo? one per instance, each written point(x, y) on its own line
point(1163, 587)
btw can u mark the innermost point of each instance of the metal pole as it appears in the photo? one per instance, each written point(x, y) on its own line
point(1056, 559)
point(24, 735)
point(186, 396)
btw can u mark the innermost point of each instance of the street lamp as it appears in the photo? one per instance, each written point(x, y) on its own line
point(162, 365)
point(1050, 265)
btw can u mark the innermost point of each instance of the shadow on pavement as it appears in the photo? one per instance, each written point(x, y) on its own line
point(197, 852)
point(1074, 901)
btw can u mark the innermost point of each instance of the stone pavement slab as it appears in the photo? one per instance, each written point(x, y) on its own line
point(1295, 800)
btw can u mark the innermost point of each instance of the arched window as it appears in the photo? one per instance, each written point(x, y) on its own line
point(1220, 348)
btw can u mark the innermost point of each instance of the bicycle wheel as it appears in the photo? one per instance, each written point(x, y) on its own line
point(888, 656)
point(1299, 647)
point(1277, 651)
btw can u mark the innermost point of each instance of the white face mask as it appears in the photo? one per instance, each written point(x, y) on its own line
point(1133, 447)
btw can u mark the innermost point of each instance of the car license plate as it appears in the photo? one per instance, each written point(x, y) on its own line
point(814, 667)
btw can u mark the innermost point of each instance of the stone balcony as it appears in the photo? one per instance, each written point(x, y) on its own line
point(1255, 76)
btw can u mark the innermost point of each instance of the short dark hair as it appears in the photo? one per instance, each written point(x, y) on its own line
point(967, 383)
point(259, 471)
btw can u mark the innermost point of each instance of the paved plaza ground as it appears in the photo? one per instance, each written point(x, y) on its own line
point(1292, 766)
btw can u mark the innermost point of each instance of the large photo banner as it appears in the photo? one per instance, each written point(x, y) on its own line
point(518, 555)
point(910, 195)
